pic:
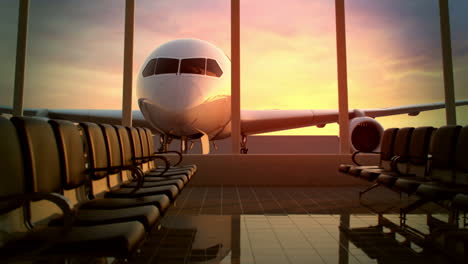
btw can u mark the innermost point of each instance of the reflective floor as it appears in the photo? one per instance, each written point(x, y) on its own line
point(300, 225)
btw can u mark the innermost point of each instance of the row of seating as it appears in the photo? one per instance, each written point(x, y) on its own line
point(427, 162)
point(48, 159)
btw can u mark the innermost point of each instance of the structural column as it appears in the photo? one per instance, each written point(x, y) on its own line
point(21, 46)
point(343, 118)
point(450, 112)
point(235, 76)
point(128, 63)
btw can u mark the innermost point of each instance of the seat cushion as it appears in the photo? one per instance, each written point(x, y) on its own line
point(387, 179)
point(169, 174)
point(371, 174)
point(182, 177)
point(161, 201)
point(344, 168)
point(116, 240)
point(170, 190)
point(185, 166)
point(460, 201)
point(356, 170)
point(436, 191)
point(147, 215)
point(408, 184)
point(147, 184)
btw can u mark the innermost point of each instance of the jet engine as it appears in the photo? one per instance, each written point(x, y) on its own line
point(365, 134)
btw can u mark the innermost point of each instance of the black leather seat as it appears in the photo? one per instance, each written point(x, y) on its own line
point(442, 147)
point(449, 171)
point(414, 165)
point(441, 171)
point(177, 168)
point(400, 151)
point(74, 175)
point(386, 154)
point(112, 143)
point(142, 155)
point(100, 166)
point(17, 190)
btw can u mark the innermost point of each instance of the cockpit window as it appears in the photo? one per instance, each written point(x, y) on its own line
point(194, 66)
point(149, 69)
point(166, 65)
point(213, 69)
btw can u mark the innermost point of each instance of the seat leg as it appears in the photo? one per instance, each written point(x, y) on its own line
point(409, 208)
point(375, 185)
point(464, 219)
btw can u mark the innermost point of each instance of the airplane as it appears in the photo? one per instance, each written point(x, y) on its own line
point(184, 92)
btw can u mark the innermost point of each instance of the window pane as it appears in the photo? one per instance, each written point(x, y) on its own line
point(213, 69)
point(195, 66)
point(166, 65)
point(150, 67)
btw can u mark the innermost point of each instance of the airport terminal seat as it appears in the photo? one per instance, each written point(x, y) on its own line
point(145, 159)
point(441, 170)
point(113, 145)
point(449, 172)
point(100, 165)
point(74, 175)
point(442, 140)
point(17, 189)
point(67, 131)
point(400, 152)
point(176, 167)
point(414, 165)
point(386, 154)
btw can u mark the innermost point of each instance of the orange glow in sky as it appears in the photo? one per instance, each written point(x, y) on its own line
point(288, 53)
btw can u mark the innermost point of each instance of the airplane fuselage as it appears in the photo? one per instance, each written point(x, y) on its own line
point(183, 89)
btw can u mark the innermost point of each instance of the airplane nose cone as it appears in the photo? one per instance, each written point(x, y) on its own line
point(177, 94)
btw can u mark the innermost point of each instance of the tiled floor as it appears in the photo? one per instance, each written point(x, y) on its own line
point(292, 225)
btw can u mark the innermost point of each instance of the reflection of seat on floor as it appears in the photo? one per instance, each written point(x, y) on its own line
point(176, 244)
point(378, 245)
point(202, 255)
point(384, 248)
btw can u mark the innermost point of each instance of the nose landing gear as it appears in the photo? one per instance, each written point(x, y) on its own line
point(164, 141)
point(243, 145)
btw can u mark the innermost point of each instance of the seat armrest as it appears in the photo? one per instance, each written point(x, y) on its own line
point(61, 201)
point(394, 164)
point(167, 165)
point(171, 151)
point(353, 157)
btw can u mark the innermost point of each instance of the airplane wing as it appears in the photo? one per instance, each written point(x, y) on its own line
point(84, 115)
point(263, 121)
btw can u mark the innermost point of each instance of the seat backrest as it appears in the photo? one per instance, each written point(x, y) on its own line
point(11, 166)
point(149, 137)
point(125, 145)
point(443, 153)
point(40, 153)
point(386, 149)
point(114, 155)
point(419, 150)
point(461, 157)
point(97, 150)
point(136, 143)
point(144, 142)
point(72, 150)
point(401, 147)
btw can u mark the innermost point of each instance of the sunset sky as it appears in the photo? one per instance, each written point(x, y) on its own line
point(288, 52)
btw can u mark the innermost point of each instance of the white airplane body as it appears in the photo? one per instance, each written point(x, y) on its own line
point(184, 91)
point(191, 99)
